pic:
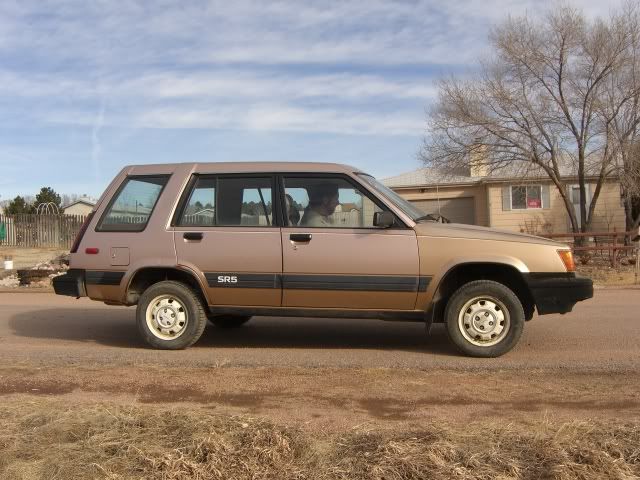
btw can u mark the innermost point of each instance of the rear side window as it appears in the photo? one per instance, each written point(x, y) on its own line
point(131, 207)
point(228, 201)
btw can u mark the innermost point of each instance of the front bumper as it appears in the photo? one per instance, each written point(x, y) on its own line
point(70, 284)
point(558, 292)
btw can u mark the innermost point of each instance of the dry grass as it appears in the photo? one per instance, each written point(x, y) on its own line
point(28, 257)
point(489, 451)
point(605, 275)
point(47, 439)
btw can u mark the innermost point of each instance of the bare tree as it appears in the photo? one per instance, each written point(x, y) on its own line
point(630, 183)
point(68, 199)
point(621, 109)
point(551, 99)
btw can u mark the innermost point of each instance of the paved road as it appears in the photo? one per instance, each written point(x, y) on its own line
point(602, 334)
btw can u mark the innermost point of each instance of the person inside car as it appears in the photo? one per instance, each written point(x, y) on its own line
point(323, 200)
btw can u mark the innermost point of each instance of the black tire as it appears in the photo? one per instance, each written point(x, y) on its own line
point(229, 321)
point(192, 310)
point(486, 322)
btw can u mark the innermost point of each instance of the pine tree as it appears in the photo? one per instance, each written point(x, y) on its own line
point(18, 206)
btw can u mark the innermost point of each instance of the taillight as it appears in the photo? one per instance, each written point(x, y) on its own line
point(567, 258)
point(83, 228)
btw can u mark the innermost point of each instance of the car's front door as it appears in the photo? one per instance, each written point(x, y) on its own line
point(333, 255)
point(225, 229)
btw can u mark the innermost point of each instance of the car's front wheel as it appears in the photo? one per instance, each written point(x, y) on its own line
point(484, 318)
point(170, 316)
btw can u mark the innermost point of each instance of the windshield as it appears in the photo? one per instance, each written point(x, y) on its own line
point(407, 207)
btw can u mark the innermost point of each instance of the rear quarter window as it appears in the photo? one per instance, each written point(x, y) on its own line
point(133, 204)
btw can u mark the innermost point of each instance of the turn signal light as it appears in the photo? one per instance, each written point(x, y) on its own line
point(567, 258)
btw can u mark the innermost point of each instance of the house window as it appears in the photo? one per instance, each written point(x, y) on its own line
point(575, 194)
point(526, 197)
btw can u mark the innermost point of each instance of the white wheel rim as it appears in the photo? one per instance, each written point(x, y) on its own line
point(484, 321)
point(166, 317)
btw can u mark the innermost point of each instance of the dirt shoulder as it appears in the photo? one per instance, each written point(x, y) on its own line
point(28, 257)
point(338, 399)
point(161, 422)
point(604, 275)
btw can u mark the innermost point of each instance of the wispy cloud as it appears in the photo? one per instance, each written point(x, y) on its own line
point(223, 83)
point(337, 103)
point(273, 117)
point(250, 31)
point(342, 75)
point(198, 59)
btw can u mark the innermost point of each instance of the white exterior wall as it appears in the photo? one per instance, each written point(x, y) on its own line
point(78, 209)
point(608, 215)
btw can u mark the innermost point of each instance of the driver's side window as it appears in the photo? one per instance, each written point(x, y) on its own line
point(327, 202)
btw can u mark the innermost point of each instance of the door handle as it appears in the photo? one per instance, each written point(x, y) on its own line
point(192, 235)
point(300, 237)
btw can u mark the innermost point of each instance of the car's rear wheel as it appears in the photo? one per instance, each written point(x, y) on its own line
point(229, 321)
point(170, 316)
point(484, 318)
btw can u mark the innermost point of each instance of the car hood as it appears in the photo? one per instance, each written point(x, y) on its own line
point(459, 230)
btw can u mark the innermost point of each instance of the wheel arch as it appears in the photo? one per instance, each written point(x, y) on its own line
point(466, 272)
point(144, 277)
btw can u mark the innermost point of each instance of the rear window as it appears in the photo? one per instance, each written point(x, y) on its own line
point(132, 205)
point(228, 201)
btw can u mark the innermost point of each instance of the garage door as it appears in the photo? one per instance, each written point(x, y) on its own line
point(458, 210)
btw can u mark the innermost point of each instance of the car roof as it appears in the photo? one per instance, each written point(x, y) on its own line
point(241, 167)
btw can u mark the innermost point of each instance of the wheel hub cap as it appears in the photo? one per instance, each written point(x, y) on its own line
point(484, 321)
point(166, 317)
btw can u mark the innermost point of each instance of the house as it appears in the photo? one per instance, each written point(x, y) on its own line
point(347, 207)
point(509, 198)
point(82, 206)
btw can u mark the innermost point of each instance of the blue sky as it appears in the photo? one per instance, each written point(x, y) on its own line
point(88, 87)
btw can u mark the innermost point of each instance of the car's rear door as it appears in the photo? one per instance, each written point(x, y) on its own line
point(333, 256)
point(224, 227)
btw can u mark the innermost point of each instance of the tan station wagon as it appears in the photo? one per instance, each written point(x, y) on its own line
point(226, 241)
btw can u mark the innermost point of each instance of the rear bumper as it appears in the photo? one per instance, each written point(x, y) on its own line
point(70, 284)
point(558, 292)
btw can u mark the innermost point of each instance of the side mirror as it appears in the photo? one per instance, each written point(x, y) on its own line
point(383, 219)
